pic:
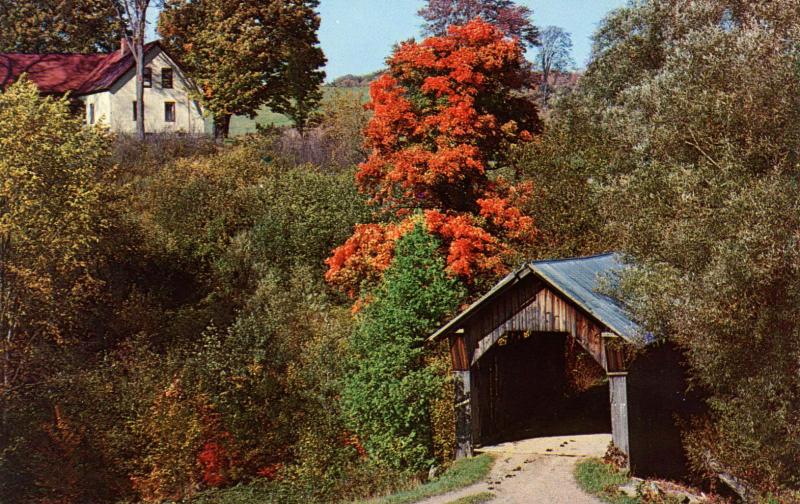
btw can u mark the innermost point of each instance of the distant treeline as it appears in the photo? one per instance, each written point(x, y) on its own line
point(557, 80)
point(351, 81)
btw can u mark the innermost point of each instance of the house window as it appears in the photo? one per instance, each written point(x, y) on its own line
point(91, 113)
point(166, 78)
point(169, 111)
point(148, 77)
point(134, 110)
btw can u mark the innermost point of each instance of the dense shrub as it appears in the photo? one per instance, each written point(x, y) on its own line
point(135, 157)
point(337, 139)
point(252, 232)
point(443, 419)
point(210, 358)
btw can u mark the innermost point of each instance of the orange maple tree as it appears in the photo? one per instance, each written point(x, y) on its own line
point(448, 111)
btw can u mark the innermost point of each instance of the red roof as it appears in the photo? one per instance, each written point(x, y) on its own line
point(59, 73)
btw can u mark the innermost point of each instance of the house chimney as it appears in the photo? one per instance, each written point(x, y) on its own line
point(123, 46)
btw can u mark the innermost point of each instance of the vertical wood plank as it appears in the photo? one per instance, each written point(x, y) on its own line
point(458, 352)
point(618, 389)
point(463, 410)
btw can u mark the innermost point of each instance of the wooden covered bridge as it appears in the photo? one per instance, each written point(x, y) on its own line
point(507, 353)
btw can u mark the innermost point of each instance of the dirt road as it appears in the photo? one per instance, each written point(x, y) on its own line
point(534, 471)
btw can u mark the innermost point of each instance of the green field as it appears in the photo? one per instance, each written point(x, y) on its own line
point(241, 125)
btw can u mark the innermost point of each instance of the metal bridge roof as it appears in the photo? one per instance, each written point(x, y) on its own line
point(577, 279)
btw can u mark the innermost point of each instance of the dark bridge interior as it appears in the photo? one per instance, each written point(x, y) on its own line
point(525, 389)
point(658, 403)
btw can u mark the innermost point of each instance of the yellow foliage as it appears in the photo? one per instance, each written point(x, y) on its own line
point(49, 218)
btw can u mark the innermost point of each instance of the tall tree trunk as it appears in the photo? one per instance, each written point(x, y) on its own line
point(545, 86)
point(139, 57)
point(222, 124)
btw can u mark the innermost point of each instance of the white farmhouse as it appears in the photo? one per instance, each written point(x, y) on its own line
point(105, 84)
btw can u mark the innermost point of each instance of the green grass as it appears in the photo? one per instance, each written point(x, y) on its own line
point(478, 498)
point(253, 493)
point(600, 479)
point(462, 473)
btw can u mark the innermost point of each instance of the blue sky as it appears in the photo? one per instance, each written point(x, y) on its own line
point(357, 35)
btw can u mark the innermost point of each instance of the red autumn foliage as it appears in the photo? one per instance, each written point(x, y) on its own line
point(448, 111)
point(365, 255)
point(349, 439)
point(214, 461)
point(61, 452)
point(218, 458)
point(270, 471)
point(513, 19)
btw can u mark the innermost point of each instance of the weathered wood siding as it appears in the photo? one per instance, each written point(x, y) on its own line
point(458, 352)
point(618, 390)
point(528, 305)
point(544, 311)
point(499, 311)
point(463, 413)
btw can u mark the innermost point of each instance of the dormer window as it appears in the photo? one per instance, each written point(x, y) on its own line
point(147, 78)
point(166, 78)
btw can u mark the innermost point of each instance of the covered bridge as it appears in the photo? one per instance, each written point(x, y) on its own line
point(508, 357)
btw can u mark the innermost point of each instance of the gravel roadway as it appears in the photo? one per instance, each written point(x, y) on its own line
point(534, 471)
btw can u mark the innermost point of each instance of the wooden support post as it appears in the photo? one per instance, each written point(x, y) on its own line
point(618, 389)
point(463, 410)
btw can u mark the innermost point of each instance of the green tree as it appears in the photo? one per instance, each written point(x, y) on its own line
point(45, 26)
point(564, 168)
point(245, 55)
point(344, 119)
point(389, 393)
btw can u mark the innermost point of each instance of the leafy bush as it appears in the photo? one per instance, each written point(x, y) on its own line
point(215, 355)
point(138, 158)
point(253, 233)
point(443, 415)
